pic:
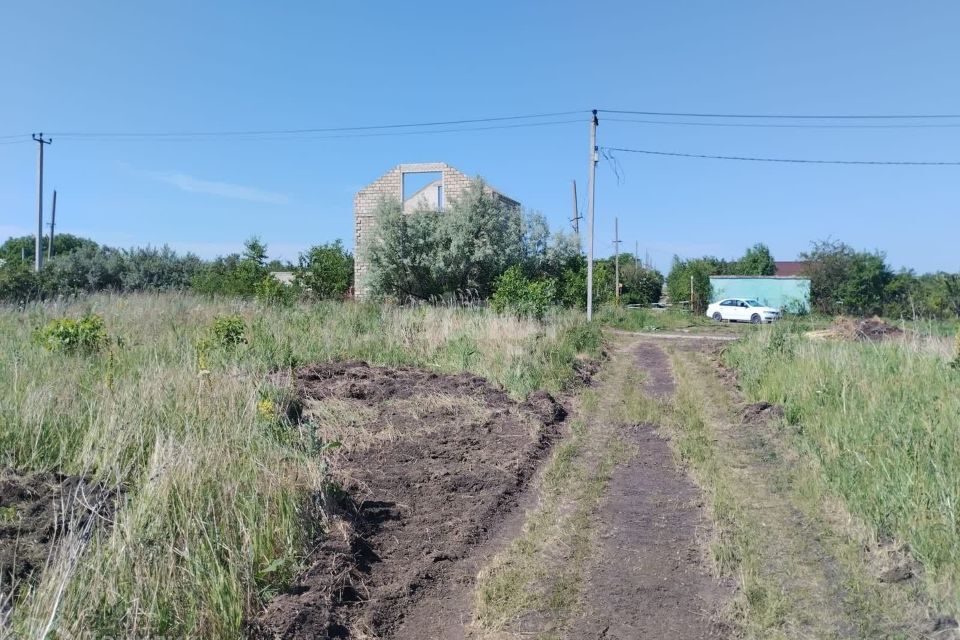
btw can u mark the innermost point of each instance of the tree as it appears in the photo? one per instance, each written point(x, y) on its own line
point(521, 295)
point(481, 237)
point(152, 269)
point(86, 269)
point(404, 253)
point(843, 280)
point(757, 261)
point(63, 243)
point(467, 247)
point(571, 288)
point(18, 282)
point(700, 270)
point(326, 270)
point(639, 285)
point(235, 275)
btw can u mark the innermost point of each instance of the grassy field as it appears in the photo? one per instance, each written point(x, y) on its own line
point(880, 420)
point(217, 483)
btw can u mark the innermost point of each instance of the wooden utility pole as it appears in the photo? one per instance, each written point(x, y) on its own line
point(38, 254)
point(691, 294)
point(591, 184)
point(575, 220)
point(616, 260)
point(53, 222)
point(636, 255)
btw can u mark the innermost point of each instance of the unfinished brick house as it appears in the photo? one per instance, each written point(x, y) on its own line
point(443, 185)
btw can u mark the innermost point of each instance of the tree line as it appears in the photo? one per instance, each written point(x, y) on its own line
point(479, 248)
point(81, 265)
point(842, 280)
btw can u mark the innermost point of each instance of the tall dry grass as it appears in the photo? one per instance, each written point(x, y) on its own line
point(883, 421)
point(216, 513)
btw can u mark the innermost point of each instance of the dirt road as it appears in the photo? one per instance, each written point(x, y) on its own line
point(649, 578)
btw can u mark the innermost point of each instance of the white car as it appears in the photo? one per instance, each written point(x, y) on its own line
point(742, 310)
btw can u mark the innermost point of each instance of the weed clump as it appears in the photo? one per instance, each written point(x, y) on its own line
point(69, 335)
point(228, 331)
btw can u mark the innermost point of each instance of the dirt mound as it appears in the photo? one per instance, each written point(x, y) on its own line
point(761, 413)
point(429, 464)
point(862, 329)
point(36, 511)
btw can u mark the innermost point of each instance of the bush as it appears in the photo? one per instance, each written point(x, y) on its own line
point(640, 285)
point(843, 280)
point(228, 331)
point(236, 274)
point(17, 281)
point(700, 270)
point(326, 271)
point(572, 284)
point(272, 291)
point(522, 296)
point(86, 335)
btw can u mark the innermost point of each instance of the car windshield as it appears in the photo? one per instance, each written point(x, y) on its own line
point(752, 303)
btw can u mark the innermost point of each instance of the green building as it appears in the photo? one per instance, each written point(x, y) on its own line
point(790, 293)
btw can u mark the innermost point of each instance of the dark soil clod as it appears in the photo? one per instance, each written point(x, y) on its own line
point(762, 413)
point(896, 574)
point(36, 511)
point(414, 502)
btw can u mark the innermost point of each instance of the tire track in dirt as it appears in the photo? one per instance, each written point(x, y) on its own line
point(649, 578)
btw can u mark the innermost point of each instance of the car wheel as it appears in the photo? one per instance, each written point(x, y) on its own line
point(755, 318)
point(717, 316)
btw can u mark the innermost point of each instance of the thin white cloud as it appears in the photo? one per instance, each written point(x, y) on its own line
point(191, 184)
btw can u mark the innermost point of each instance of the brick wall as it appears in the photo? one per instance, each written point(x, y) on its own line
point(390, 186)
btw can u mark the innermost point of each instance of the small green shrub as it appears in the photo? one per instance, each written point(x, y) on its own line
point(524, 297)
point(228, 331)
point(272, 291)
point(86, 335)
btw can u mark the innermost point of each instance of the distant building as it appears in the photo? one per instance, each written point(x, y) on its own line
point(437, 195)
point(789, 268)
point(790, 293)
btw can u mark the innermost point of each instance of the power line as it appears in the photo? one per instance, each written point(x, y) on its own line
point(767, 125)
point(788, 160)
point(327, 137)
point(925, 116)
point(262, 132)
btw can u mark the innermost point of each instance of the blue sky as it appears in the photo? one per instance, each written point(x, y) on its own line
point(114, 66)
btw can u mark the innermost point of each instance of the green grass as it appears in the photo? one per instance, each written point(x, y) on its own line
point(216, 512)
point(651, 320)
point(881, 421)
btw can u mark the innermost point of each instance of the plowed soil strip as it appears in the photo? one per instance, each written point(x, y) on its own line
point(431, 465)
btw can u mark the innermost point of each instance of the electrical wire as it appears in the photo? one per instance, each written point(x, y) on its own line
point(768, 125)
point(271, 132)
point(925, 116)
point(338, 136)
point(787, 160)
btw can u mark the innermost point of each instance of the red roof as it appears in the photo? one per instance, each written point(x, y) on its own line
point(788, 268)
